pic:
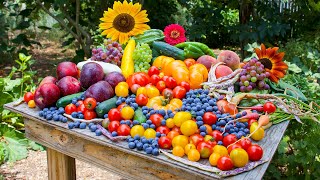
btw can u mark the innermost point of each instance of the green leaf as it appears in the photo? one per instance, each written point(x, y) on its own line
point(10, 84)
point(34, 146)
point(22, 57)
point(294, 68)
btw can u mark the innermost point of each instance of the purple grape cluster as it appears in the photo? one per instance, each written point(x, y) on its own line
point(110, 52)
point(253, 76)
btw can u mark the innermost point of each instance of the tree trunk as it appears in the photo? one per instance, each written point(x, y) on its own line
point(245, 11)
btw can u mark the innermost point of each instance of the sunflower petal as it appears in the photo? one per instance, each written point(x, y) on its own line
point(141, 14)
point(135, 9)
point(105, 25)
point(278, 57)
point(117, 6)
point(281, 66)
point(277, 73)
point(141, 20)
point(258, 52)
point(142, 27)
point(123, 38)
point(263, 50)
point(273, 78)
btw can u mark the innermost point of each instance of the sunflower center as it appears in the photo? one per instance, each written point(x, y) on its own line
point(174, 34)
point(267, 63)
point(123, 22)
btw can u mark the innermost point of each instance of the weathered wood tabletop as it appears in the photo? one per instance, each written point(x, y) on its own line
point(64, 145)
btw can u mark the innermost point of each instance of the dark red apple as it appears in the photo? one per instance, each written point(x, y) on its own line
point(207, 61)
point(67, 69)
point(46, 95)
point(69, 85)
point(48, 79)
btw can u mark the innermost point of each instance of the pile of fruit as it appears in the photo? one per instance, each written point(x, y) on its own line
point(178, 98)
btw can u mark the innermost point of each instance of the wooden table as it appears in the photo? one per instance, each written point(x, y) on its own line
point(64, 145)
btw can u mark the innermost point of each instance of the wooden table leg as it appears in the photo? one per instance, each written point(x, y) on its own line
point(60, 166)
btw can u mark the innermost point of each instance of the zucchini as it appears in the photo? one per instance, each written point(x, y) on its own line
point(138, 115)
point(149, 36)
point(64, 101)
point(168, 50)
point(105, 106)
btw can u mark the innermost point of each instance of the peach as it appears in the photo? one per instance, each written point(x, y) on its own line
point(222, 70)
point(207, 61)
point(230, 58)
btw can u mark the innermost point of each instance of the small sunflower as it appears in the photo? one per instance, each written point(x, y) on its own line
point(272, 61)
point(123, 21)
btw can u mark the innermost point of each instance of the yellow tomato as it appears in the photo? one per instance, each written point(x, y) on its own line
point(207, 138)
point(176, 102)
point(188, 148)
point(149, 133)
point(181, 117)
point(213, 159)
point(127, 112)
point(141, 90)
point(170, 123)
point(219, 149)
point(152, 92)
point(137, 130)
point(180, 140)
point(259, 134)
point(31, 104)
point(239, 157)
point(124, 84)
point(121, 90)
point(178, 151)
point(194, 155)
point(188, 128)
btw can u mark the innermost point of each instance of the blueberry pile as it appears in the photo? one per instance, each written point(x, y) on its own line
point(53, 113)
point(150, 146)
point(149, 111)
point(130, 100)
point(83, 125)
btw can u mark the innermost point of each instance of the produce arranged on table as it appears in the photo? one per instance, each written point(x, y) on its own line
point(157, 91)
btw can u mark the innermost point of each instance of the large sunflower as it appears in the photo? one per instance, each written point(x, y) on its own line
point(272, 61)
point(124, 20)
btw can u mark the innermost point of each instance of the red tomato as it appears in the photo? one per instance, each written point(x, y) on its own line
point(140, 78)
point(209, 118)
point(245, 143)
point(217, 135)
point(229, 139)
point(113, 126)
point(161, 85)
point(123, 130)
point(255, 152)
point(141, 100)
point(80, 102)
point(234, 146)
point(196, 139)
point(177, 129)
point(170, 82)
point(70, 108)
point(114, 114)
point(164, 78)
point(28, 96)
point(153, 70)
point(186, 85)
point(167, 93)
point(212, 142)
point(134, 88)
point(121, 106)
point(251, 121)
point(89, 114)
point(225, 163)
point(179, 92)
point(155, 79)
point(269, 107)
point(164, 142)
point(163, 130)
point(90, 103)
point(156, 119)
point(205, 149)
point(82, 108)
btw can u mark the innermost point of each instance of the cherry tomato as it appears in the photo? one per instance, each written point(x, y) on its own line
point(172, 134)
point(245, 143)
point(163, 130)
point(164, 78)
point(239, 157)
point(31, 104)
point(189, 128)
point(194, 155)
point(81, 108)
point(80, 102)
point(178, 151)
point(122, 105)
point(225, 163)
point(255, 152)
point(153, 70)
point(114, 114)
point(208, 129)
point(179, 92)
point(70, 108)
point(170, 82)
point(161, 85)
point(113, 126)
point(155, 79)
point(269, 107)
point(250, 121)
point(217, 135)
point(258, 134)
point(186, 85)
point(136, 130)
point(140, 78)
point(188, 148)
point(219, 149)
point(156, 119)
point(234, 146)
point(180, 140)
point(152, 91)
point(123, 130)
point(177, 129)
point(229, 139)
point(205, 149)
point(170, 123)
point(149, 133)
point(167, 93)
point(90, 103)
point(213, 159)
point(164, 142)
point(127, 112)
point(121, 90)
point(89, 114)
point(141, 100)
point(28, 96)
point(209, 118)
point(196, 139)
point(141, 90)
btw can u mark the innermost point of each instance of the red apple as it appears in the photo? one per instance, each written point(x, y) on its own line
point(48, 79)
point(207, 61)
point(69, 85)
point(67, 69)
point(46, 95)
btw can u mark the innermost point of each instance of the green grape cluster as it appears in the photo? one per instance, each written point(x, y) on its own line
point(142, 56)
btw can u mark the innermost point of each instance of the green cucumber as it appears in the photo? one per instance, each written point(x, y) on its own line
point(168, 50)
point(64, 101)
point(105, 106)
point(138, 115)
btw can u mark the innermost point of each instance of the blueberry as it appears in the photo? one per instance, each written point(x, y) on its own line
point(150, 140)
point(155, 152)
point(254, 111)
point(49, 117)
point(149, 150)
point(218, 112)
point(183, 108)
point(158, 134)
point(64, 120)
point(128, 122)
point(114, 133)
point(223, 122)
point(226, 134)
point(135, 105)
point(139, 146)
point(98, 132)
point(220, 143)
point(239, 135)
point(122, 122)
point(238, 115)
point(135, 122)
point(153, 126)
point(203, 134)
point(213, 126)
point(203, 128)
point(199, 118)
point(136, 141)
point(93, 128)
point(83, 125)
point(118, 102)
point(77, 124)
point(144, 108)
point(171, 115)
point(199, 123)
point(145, 112)
point(132, 145)
point(236, 129)
point(55, 118)
point(144, 141)
point(211, 102)
point(215, 108)
point(53, 108)
point(74, 114)
point(74, 101)
point(147, 116)
point(246, 131)
point(188, 108)
point(90, 124)
point(162, 112)
point(238, 125)
point(166, 117)
point(45, 109)
point(154, 145)
point(145, 146)
point(145, 125)
point(149, 121)
point(231, 130)
point(163, 122)
point(137, 137)
point(218, 123)
point(80, 116)
point(105, 116)
point(152, 112)
point(245, 124)
point(71, 125)
point(41, 113)
point(209, 109)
